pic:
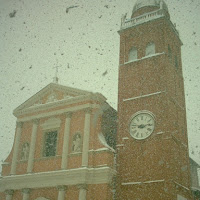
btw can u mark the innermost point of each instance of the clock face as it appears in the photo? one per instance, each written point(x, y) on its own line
point(142, 125)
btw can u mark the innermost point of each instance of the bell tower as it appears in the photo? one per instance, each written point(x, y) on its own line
point(153, 159)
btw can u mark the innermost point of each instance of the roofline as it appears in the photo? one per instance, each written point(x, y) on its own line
point(45, 89)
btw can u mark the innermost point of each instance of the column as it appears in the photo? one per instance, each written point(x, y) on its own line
point(82, 191)
point(86, 137)
point(61, 192)
point(16, 148)
point(9, 194)
point(32, 146)
point(65, 149)
point(26, 193)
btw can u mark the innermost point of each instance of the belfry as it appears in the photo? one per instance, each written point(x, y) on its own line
point(152, 160)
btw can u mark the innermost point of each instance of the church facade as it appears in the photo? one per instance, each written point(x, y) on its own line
point(71, 144)
point(63, 146)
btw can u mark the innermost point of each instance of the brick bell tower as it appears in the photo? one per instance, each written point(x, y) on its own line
point(153, 159)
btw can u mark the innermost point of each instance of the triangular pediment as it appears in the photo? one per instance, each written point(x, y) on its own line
point(50, 94)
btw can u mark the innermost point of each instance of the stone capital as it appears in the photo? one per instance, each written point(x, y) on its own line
point(26, 190)
point(36, 121)
point(68, 114)
point(82, 186)
point(19, 124)
point(62, 187)
point(9, 192)
point(88, 110)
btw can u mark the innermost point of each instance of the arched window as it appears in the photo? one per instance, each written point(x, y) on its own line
point(132, 54)
point(150, 49)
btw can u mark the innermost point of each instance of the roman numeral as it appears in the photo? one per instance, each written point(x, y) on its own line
point(134, 131)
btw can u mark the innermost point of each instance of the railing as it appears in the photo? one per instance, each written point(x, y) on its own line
point(141, 19)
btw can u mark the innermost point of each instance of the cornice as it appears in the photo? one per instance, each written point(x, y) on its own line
point(69, 177)
point(65, 102)
point(58, 112)
point(78, 96)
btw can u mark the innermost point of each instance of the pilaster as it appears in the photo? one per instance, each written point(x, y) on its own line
point(16, 148)
point(32, 146)
point(61, 192)
point(9, 194)
point(65, 149)
point(82, 191)
point(86, 137)
point(26, 193)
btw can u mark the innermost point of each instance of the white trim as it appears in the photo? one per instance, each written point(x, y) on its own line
point(143, 58)
point(141, 19)
point(125, 138)
point(64, 102)
point(77, 176)
point(159, 133)
point(52, 123)
point(138, 183)
point(181, 185)
point(195, 188)
point(58, 112)
point(142, 96)
point(49, 88)
point(132, 183)
point(155, 181)
point(176, 139)
point(176, 102)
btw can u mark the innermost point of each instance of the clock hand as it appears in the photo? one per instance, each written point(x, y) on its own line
point(141, 126)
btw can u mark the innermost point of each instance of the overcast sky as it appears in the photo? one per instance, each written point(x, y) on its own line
point(37, 35)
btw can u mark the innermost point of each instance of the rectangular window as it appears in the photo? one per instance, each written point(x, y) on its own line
point(50, 143)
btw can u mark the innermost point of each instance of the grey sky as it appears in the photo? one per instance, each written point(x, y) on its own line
point(42, 34)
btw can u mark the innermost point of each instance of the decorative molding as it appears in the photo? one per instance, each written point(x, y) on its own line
point(139, 183)
point(69, 177)
point(26, 190)
point(69, 114)
point(36, 121)
point(143, 58)
point(62, 187)
point(160, 133)
point(142, 96)
point(9, 192)
point(88, 110)
point(58, 112)
point(180, 185)
point(82, 186)
point(52, 123)
point(19, 124)
point(48, 89)
point(63, 102)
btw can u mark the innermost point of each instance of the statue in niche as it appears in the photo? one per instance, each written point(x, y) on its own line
point(25, 151)
point(76, 146)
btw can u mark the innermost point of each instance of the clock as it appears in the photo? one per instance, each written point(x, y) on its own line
point(142, 125)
